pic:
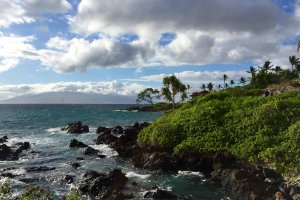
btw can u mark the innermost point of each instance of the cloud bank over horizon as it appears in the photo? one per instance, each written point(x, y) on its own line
point(104, 34)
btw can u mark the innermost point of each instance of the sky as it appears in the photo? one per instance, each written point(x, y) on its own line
point(124, 46)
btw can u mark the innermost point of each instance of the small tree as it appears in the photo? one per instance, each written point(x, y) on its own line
point(148, 95)
point(224, 78)
point(183, 93)
point(219, 87)
point(232, 83)
point(252, 71)
point(294, 61)
point(210, 86)
point(266, 67)
point(172, 86)
point(243, 80)
point(203, 87)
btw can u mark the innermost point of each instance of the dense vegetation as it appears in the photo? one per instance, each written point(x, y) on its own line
point(258, 129)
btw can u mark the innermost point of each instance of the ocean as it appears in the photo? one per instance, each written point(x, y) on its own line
point(40, 125)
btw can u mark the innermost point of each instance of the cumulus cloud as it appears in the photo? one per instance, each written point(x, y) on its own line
point(112, 87)
point(79, 53)
point(207, 32)
point(7, 64)
point(27, 11)
point(197, 78)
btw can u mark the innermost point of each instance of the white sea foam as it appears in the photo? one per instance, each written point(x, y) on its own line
point(136, 175)
point(190, 173)
point(105, 149)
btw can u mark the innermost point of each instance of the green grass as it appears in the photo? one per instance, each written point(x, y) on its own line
point(252, 127)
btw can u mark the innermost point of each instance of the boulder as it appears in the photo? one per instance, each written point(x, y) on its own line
point(101, 129)
point(93, 152)
point(103, 186)
point(39, 169)
point(155, 161)
point(157, 193)
point(76, 143)
point(76, 127)
point(75, 164)
point(6, 153)
point(106, 138)
point(69, 179)
point(117, 130)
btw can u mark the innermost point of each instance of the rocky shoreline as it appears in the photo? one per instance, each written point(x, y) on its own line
point(240, 180)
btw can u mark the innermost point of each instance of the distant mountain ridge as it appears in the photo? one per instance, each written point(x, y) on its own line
point(70, 98)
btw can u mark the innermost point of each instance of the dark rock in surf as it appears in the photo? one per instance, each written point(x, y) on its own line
point(157, 193)
point(103, 186)
point(117, 130)
point(39, 169)
point(76, 127)
point(76, 143)
point(93, 152)
point(106, 138)
point(101, 129)
point(69, 179)
point(75, 164)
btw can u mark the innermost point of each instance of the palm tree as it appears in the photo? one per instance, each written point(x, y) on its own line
point(298, 46)
point(224, 78)
point(294, 61)
point(232, 82)
point(277, 69)
point(266, 67)
point(243, 80)
point(219, 87)
point(252, 71)
point(203, 87)
point(210, 86)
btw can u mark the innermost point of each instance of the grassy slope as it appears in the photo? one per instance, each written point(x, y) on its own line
point(252, 127)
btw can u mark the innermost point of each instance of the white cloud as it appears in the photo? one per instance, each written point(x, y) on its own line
point(27, 11)
point(208, 32)
point(197, 78)
point(105, 87)
point(7, 64)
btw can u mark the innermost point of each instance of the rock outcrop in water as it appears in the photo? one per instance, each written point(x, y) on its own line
point(240, 180)
point(103, 186)
point(76, 127)
point(157, 193)
point(12, 152)
point(78, 144)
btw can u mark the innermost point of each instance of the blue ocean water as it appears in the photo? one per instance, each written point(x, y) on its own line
point(40, 125)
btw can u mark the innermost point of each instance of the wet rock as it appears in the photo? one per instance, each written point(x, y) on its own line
point(223, 160)
point(101, 156)
point(76, 143)
point(106, 138)
point(8, 174)
point(75, 164)
point(76, 127)
point(247, 183)
point(163, 194)
point(29, 180)
point(6, 153)
point(79, 158)
point(22, 147)
point(117, 130)
point(155, 161)
point(101, 129)
point(69, 179)
point(91, 152)
point(39, 169)
point(3, 139)
point(103, 186)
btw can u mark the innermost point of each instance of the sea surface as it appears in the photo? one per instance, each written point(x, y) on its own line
point(40, 125)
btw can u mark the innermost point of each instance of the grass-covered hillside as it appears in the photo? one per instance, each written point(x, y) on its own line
point(264, 130)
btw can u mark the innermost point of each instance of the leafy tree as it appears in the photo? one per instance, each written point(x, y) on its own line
point(203, 86)
point(243, 80)
point(148, 95)
point(172, 86)
point(210, 86)
point(224, 78)
point(252, 71)
point(266, 67)
point(294, 61)
point(183, 92)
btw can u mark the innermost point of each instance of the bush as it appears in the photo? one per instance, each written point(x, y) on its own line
point(251, 127)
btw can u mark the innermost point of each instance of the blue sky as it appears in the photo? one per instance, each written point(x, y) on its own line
point(51, 44)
